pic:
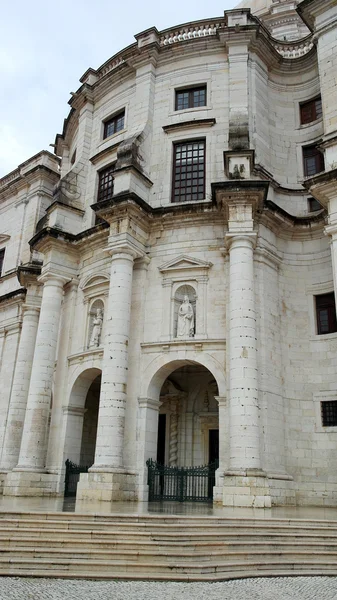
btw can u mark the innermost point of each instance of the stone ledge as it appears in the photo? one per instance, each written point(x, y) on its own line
point(188, 344)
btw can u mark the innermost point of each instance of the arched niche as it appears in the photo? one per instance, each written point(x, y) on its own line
point(184, 315)
point(95, 323)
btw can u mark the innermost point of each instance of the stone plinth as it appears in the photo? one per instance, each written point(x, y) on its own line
point(119, 486)
point(250, 490)
point(26, 483)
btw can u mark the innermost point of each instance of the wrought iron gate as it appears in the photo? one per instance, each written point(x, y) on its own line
point(183, 484)
point(72, 477)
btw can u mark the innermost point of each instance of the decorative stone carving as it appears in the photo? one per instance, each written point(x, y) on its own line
point(185, 326)
point(96, 331)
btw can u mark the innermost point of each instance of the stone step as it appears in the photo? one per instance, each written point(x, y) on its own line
point(111, 567)
point(162, 557)
point(213, 547)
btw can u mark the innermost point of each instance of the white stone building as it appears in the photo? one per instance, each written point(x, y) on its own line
point(168, 278)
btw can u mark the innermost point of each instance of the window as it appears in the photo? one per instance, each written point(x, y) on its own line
point(189, 171)
point(329, 413)
point(326, 313)
point(191, 98)
point(114, 125)
point(313, 161)
point(311, 110)
point(313, 205)
point(2, 257)
point(105, 184)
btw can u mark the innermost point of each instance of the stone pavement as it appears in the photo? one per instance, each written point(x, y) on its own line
point(278, 588)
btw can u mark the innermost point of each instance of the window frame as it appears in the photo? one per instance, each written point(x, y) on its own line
point(312, 152)
point(176, 144)
point(330, 305)
point(190, 90)
point(325, 405)
point(101, 196)
point(2, 261)
point(313, 108)
point(113, 120)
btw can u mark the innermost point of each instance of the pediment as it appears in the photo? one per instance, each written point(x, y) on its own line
point(93, 281)
point(4, 238)
point(183, 263)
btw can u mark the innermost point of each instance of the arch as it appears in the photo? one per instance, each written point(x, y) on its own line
point(161, 368)
point(81, 387)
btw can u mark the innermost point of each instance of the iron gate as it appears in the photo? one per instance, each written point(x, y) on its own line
point(183, 484)
point(72, 477)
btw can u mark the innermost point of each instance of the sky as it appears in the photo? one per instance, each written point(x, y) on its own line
point(45, 47)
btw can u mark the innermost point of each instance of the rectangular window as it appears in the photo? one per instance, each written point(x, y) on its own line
point(313, 205)
point(2, 258)
point(329, 413)
point(326, 313)
point(189, 171)
point(114, 125)
point(311, 110)
point(105, 184)
point(313, 161)
point(190, 98)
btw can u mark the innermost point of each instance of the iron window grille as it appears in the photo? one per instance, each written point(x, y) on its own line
point(190, 98)
point(114, 125)
point(2, 258)
point(326, 313)
point(329, 413)
point(106, 184)
point(311, 110)
point(189, 171)
point(313, 161)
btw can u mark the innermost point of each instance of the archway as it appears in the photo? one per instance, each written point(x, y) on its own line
point(180, 416)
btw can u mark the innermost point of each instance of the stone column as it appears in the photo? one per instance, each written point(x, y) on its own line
point(223, 448)
point(147, 423)
point(117, 483)
point(34, 438)
point(245, 483)
point(243, 409)
point(19, 395)
point(110, 430)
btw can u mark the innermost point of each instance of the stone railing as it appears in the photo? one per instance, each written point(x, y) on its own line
point(295, 49)
point(188, 32)
point(9, 178)
point(110, 66)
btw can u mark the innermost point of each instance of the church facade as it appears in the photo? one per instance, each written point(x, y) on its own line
point(168, 277)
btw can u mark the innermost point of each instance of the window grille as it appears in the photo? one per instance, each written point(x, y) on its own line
point(329, 413)
point(189, 171)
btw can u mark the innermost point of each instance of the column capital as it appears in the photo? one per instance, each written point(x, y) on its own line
point(221, 400)
point(54, 279)
point(331, 230)
point(243, 239)
point(149, 403)
point(125, 244)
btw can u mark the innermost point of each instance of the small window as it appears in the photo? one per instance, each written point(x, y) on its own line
point(2, 258)
point(313, 161)
point(313, 205)
point(311, 110)
point(105, 184)
point(326, 313)
point(190, 98)
point(114, 125)
point(189, 171)
point(329, 413)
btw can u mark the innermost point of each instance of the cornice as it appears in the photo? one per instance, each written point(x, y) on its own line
point(18, 295)
point(189, 124)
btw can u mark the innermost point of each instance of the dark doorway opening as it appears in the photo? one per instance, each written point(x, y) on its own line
point(161, 439)
point(213, 445)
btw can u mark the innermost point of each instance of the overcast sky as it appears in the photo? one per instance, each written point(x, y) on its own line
point(45, 47)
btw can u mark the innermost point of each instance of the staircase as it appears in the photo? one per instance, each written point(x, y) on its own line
point(162, 547)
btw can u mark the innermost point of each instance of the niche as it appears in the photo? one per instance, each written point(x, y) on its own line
point(95, 324)
point(184, 312)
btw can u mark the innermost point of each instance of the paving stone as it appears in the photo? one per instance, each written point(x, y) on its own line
point(278, 588)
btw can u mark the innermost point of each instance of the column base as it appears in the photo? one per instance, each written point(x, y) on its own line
point(118, 486)
point(250, 490)
point(25, 483)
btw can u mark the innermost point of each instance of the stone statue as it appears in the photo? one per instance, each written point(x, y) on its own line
point(185, 326)
point(96, 329)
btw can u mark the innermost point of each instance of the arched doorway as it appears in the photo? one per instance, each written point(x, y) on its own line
point(81, 426)
point(183, 433)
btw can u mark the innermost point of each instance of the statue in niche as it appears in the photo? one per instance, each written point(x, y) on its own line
point(97, 323)
point(185, 327)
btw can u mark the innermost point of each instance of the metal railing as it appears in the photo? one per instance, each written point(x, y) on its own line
point(72, 477)
point(181, 484)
